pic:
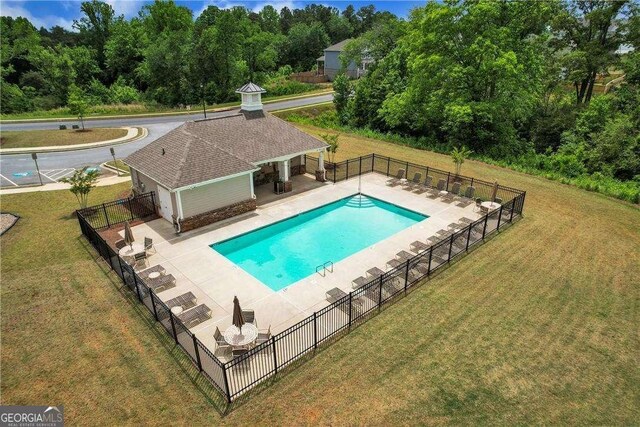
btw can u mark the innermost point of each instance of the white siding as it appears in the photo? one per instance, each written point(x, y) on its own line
point(215, 195)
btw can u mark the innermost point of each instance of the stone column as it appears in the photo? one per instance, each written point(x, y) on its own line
point(320, 173)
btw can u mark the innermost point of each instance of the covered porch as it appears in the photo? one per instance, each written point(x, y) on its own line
point(300, 184)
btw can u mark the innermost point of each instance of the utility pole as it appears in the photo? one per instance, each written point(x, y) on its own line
point(34, 156)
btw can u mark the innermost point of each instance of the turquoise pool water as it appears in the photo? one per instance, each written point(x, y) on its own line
point(289, 250)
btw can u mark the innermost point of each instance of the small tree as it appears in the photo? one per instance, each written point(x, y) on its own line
point(82, 181)
point(459, 155)
point(343, 89)
point(78, 104)
point(332, 140)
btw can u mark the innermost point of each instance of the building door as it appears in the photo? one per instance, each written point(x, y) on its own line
point(165, 204)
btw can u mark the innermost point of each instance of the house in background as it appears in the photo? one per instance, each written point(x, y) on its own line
point(206, 171)
point(330, 65)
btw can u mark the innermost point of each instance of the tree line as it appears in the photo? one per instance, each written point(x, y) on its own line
point(164, 55)
point(517, 82)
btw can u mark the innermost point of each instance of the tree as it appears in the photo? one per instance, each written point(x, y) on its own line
point(332, 141)
point(343, 89)
point(458, 155)
point(82, 181)
point(95, 26)
point(304, 44)
point(269, 19)
point(78, 104)
point(590, 32)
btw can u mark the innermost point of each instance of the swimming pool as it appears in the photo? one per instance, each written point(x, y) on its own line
point(289, 250)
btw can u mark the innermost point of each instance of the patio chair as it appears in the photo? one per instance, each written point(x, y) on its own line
point(120, 244)
point(395, 181)
point(374, 272)
point(394, 263)
point(470, 192)
point(455, 191)
point(148, 245)
point(418, 246)
point(478, 205)
point(186, 301)
point(498, 200)
point(249, 316)
point(223, 350)
point(139, 260)
point(435, 193)
point(425, 186)
point(404, 256)
point(335, 294)
point(263, 336)
point(217, 335)
point(414, 183)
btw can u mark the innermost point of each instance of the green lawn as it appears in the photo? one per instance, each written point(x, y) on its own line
point(47, 138)
point(541, 325)
point(120, 165)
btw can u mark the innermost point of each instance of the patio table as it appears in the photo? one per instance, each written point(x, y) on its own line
point(235, 338)
point(492, 206)
point(130, 251)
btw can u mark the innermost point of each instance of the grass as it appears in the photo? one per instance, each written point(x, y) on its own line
point(98, 111)
point(538, 326)
point(120, 165)
point(46, 138)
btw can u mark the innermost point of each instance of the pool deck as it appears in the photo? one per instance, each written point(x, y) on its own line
point(214, 280)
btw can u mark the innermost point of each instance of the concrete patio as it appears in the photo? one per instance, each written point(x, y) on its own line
point(214, 280)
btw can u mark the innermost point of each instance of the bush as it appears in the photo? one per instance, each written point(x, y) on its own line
point(122, 93)
point(280, 85)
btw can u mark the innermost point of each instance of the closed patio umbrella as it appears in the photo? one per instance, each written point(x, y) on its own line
point(238, 320)
point(128, 235)
point(495, 192)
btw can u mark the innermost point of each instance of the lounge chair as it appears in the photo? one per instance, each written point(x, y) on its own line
point(425, 186)
point(414, 183)
point(162, 283)
point(465, 220)
point(144, 274)
point(394, 263)
point(404, 255)
point(470, 192)
point(454, 192)
point(335, 294)
point(120, 244)
point(263, 336)
point(195, 316)
point(186, 301)
point(249, 316)
point(498, 200)
point(148, 245)
point(435, 192)
point(374, 273)
point(359, 282)
point(398, 178)
point(418, 246)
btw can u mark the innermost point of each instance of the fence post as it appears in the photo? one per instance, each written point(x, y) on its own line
point(153, 201)
point(484, 228)
point(360, 166)
point(406, 169)
point(135, 283)
point(373, 162)
point(106, 217)
point(468, 238)
point(315, 330)
point(347, 176)
point(471, 182)
point(173, 327)
point(226, 382)
point(499, 217)
point(153, 304)
point(388, 164)
point(426, 173)
point(430, 257)
point(275, 358)
point(513, 208)
point(131, 209)
point(380, 296)
point(334, 173)
point(450, 246)
point(350, 296)
point(195, 346)
point(406, 278)
point(448, 177)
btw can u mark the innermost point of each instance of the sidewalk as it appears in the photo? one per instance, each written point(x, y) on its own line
point(103, 182)
point(133, 134)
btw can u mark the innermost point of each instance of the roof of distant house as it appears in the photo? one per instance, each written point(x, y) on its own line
point(338, 47)
point(206, 150)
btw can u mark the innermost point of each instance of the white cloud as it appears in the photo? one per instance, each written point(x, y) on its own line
point(255, 6)
point(128, 8)
point(16, 8)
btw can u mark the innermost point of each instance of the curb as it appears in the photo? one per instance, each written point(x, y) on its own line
point(114, 169)
point(147, 115)
point(142, 133)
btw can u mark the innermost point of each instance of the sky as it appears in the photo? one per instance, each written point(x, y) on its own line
point(48, 13)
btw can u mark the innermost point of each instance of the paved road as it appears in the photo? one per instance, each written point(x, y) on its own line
point(20, 169)
point(144, 121)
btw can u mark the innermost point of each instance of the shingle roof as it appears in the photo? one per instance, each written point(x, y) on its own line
point(321, 58)
point(338, 47)
point(250, 88)
point(204, 150)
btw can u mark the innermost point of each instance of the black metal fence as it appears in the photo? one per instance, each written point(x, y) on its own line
point(235, 377)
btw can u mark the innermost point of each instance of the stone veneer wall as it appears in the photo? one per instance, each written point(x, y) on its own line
point(216, 215)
